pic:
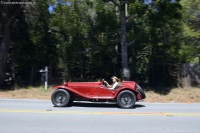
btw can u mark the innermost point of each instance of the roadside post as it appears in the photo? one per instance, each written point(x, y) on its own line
point(44, 76)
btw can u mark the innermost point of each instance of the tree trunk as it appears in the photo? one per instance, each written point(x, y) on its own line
point(5, 43)
point(124, 54)
point(4, 48)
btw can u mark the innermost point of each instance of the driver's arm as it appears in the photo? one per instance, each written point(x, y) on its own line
point(109, 86)
point(113, 86)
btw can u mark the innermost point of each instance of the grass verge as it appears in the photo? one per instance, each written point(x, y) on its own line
point(186, 95)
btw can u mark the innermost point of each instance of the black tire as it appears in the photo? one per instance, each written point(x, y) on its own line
point(60, 98)
point(126, 99)
point(140, 90)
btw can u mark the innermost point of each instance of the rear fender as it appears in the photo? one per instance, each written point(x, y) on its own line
point(138, 97)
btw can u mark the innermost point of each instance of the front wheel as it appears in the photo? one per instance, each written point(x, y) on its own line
point(60, 98)
point(126, 99)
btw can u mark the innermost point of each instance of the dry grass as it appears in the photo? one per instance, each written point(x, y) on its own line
point(188, 95)
point(31, 92)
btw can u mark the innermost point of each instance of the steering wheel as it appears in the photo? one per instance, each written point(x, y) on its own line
point(103, 83)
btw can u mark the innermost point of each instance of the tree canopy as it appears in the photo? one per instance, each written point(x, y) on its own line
point(86, 40)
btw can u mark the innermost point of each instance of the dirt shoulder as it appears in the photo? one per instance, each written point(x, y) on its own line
point(187, 95)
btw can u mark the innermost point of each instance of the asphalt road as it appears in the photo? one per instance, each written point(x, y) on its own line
point(39, 116)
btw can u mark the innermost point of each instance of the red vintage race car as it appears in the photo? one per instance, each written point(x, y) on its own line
point(125, 93)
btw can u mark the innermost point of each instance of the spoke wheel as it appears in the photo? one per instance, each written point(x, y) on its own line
point(126, 99)
point(60, 98)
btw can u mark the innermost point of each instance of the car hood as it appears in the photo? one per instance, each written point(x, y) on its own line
point(71, 84)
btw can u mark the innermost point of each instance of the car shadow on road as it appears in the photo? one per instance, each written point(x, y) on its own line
point(102, 105)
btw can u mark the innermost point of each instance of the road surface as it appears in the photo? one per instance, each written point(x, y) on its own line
point(39, 116)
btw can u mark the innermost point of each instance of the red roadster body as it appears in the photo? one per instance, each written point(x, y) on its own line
point(125, 94)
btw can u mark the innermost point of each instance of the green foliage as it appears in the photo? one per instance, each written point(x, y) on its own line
point(82, 42)
point(157, 33)
point(191, 31)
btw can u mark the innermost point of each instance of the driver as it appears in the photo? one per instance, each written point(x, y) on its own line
point(115, 81)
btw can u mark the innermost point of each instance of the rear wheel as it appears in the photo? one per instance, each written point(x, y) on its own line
point(126, 99)
point(60, 98)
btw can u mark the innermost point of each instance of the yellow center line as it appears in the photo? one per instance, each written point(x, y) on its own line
point(100, 113)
